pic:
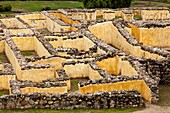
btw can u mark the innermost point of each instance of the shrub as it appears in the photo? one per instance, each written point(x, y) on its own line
point(7, 8)
point(45, 8)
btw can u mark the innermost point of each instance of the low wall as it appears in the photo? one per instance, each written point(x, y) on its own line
point(5, 81)
point(81, 71)
point(56, 61)
point(40, 49)
point(52, 90)
point(73, 43)
point(2, 46)
point(154, 14)
point(111, 65)
point(21, 32)
point(34, 20)
point(104, 100)
point(154, 36)
point(64, 18)
point(110, 34)
point(138, 85)
point(25, 43)
point(37, 75)
point(12, 23)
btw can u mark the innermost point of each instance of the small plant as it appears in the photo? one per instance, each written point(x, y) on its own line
point(45, 9)
point(5, 8)
point(137, 17)
point(27, 53)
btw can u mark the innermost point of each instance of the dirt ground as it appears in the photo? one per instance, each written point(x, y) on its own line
point(164, 103)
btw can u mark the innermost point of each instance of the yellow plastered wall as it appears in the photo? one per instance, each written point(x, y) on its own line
point(89, 16)
point(1, 67)
point(109, 15)
point(127, 69)
point(75, 43)
point(12, 23)
point(20, 31)
point(25, 43)
point(138, 85)
point(5, 81)
point(111, 65)
point(53, 26)
point(152, 36)
point(53, 90)
point(65, 18)
point(127, 17)
point(154, 14)
point(37, 75)
point(118, 13)
point(13, 60)
point(80, 71)
point(128, 29)
point(109, 33)
point(40, 49)
point(34, 20)
point(2, 46)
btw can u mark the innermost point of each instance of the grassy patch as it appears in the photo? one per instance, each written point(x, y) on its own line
point(4, 92)
point(3, 58)
point(74, 85)
point(147, 3)
point(99, 17)
point(6, 12)
point(27, 53)
point(73, 111)
point(38, 5)
point(137, 17)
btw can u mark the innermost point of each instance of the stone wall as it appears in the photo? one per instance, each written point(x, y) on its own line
point(152, 33)
point(121, 39)
point(106, 85)
point(103, 100)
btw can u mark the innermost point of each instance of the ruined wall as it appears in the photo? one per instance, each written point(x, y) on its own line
point(52, 90)
point(53, 26)
point(81, 71)
point(155, 36)
point(138, 85)
point(37, 74)
point(127, 69)
point(21, 31)
point(73, 43)
point(40, 49)
point(5, 81)
point(109, 34)
point(64, 18)
point(2, 46)
point(56, 61)
point(37, 21)
point(154, 14)
point(25, 43)
point(12, 23)
point(103, 100)
point(13, 60)
point(111, 65)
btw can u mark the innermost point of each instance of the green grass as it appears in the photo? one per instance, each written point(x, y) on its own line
point(137, 17)
point(6, 12)
point(3, 58)
point(38, 5)
point(146, 3)
point(27, 53)
point(73, 111)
